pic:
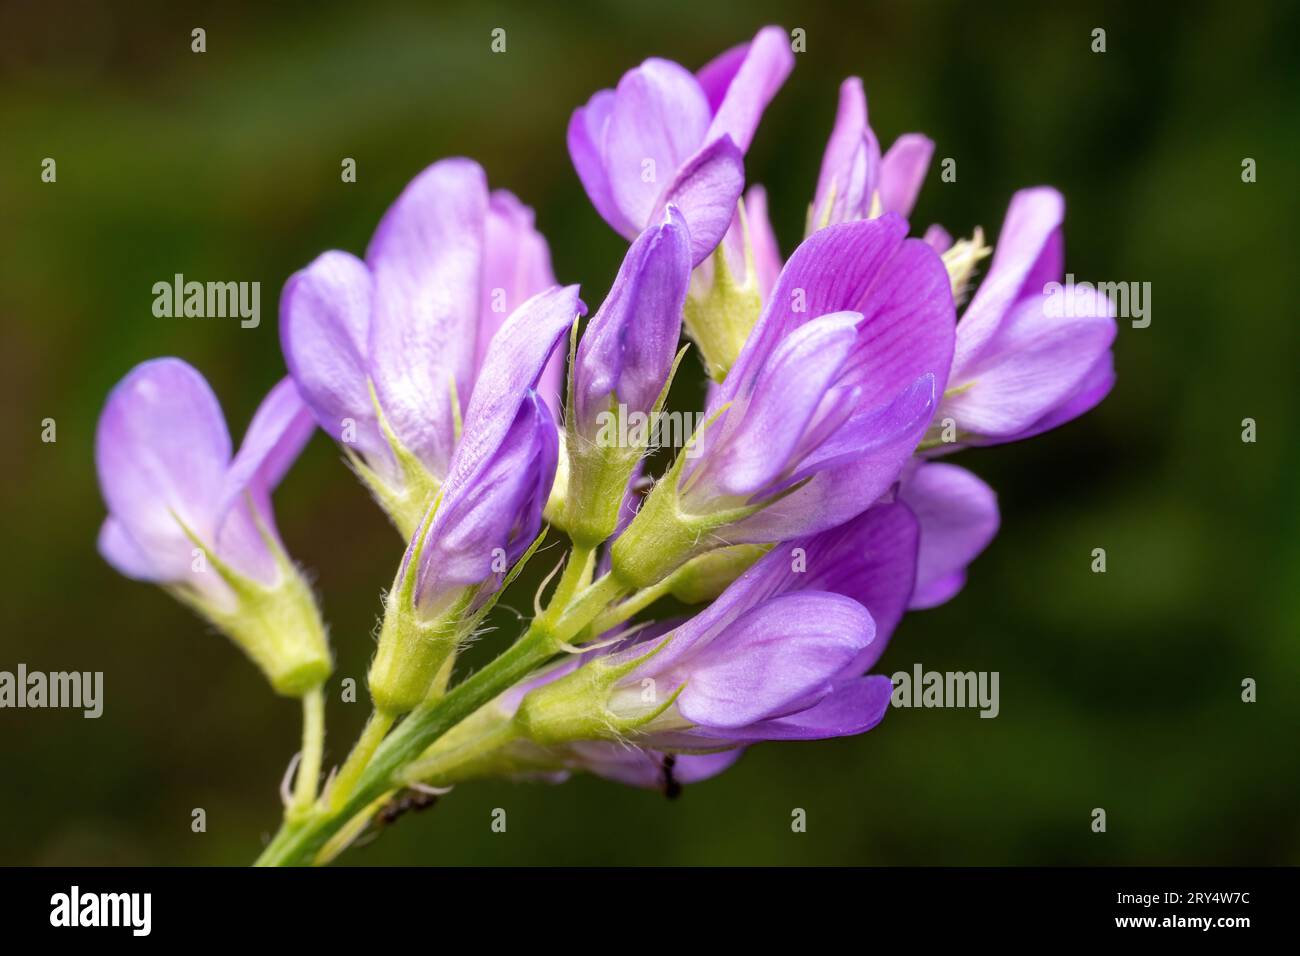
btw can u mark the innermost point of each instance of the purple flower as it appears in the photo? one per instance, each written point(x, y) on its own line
point(620, 374)
point(488, 512)
point(446, 266)
point(856, 182)
point(665, 136)
point(627, 350)
point(958, 516)
point(491, 505)
point(1027, 360)
point(164, 459)
point(186, 515)
point(778, 656)
point(825, 404)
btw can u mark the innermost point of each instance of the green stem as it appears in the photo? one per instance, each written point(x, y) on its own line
point(634, 605)
point(299, 841)
point(313, 745)
point(372, 735)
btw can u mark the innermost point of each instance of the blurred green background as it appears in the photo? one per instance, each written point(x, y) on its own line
point(1119, 691)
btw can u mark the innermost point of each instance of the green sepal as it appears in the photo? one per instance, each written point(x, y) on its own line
point(405, 506)
point(576, 707)
point(414, 648)
point(720, 320)
point(279, 628)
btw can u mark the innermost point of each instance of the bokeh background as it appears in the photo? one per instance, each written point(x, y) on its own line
point(1119, 690)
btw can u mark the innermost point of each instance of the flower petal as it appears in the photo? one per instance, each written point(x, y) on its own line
point(853, 706)
point(628, 347)
point(902, 171)
point(771, 658)
point(516, 266)
point(872, 559)
point(324, 330)
point(658, 120)
point(849, 472)
point(958, 515)
point(496, 510)
point(586, 140)
point(706, 190)
point(844, 164)
point(767, 61)
point(1034, 363)
point(426, 258)
point(511, 369)
point(162, 447)
point(771, 420)
point(1026, 251)
point(899, 285)
point(280, 428)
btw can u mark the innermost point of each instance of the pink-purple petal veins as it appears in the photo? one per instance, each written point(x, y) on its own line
point(776, 658)
point(1033, 363)
point(958, 517)
point(161, 451)
point(706, 189)
point(324, 334)
point(496, 511)
point(516, 266)
point(280, 428)
point(628, 348)
point(755, 77)
point(1027, 255)
point(899, 285)
point(658, 121)
point(902, 172)
point(426, 258)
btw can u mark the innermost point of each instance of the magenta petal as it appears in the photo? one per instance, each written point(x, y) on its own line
point(426, 258)
point(161, 447)
point(958, 515)
point(768, 60)
point(899, 285)
point(658, 120)
point(902, 171)
point(771, 658)
point(706, 190)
